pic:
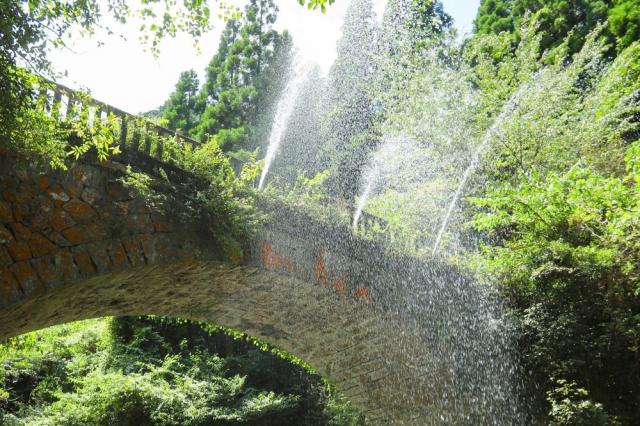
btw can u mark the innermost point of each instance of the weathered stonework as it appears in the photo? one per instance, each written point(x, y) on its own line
point(58, 227)
point(79, 244)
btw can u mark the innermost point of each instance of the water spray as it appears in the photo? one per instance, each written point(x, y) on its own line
point(297, 76)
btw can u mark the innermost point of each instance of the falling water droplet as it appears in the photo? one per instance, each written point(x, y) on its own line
point(297, 75)
point(506, 110)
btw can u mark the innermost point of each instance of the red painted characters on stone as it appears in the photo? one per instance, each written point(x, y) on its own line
point(363, 293)
point(320, 269)
point(340, 284)
point(331, 279)
point(272, 260)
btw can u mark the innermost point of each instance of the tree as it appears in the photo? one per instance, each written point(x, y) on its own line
point(180, 110)
point(29, 29)
point(134, 371)
point(302, 141)
point(239, 77)
point(624, 23)
point(409, 26)
point(350, 99)
point(560, 19)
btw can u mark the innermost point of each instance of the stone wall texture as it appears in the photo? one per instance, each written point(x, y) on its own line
point(79, 244)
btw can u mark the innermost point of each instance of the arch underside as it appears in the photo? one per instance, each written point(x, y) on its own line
point(380, 366)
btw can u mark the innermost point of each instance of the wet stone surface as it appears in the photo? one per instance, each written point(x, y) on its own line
point(78, 244)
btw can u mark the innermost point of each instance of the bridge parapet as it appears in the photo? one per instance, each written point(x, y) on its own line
point(80, 244)
point(133, 133)
point(386, 329)
point(58, 227)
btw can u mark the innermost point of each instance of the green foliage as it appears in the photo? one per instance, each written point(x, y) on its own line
point(228, 201)
point(558, 20)
point(316, 4)
point(349, 98)
point(571, 405)
point(179, 110)
point(308, 195)
point(143, 185)
point(37, 130)
point(624, 22)
point(156, 371)
point(242, 77)
point(557, 214)
point(567, 262)
point(30, 29)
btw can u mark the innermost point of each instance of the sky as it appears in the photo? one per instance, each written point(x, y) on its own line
point(122, 74)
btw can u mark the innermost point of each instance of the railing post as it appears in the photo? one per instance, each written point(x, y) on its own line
point(147, 140)
point(43, 97)
point(123, 132)
point(159, 148)
point(49, 97)
point(135, 138)
point(57, 100)
point(71, 101)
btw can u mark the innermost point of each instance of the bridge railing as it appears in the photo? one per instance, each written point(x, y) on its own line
point(367, 223)
point(140, 135)
point(131, 132)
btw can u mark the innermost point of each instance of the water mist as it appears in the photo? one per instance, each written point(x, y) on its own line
point(506, 111)
point(297, 75)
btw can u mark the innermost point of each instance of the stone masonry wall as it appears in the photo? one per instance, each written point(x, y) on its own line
point(80, 244)
point(58, 226)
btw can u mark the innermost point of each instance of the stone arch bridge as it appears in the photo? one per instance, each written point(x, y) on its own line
point(80, 244)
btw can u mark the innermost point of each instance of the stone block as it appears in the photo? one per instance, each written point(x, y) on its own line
point(26, 276)
point(100, 257)
point(79, 210)
point(84, 263)
point(139, 223)
point(117, 254)
point(63, 261)
point(56, 238)
point(149, 248)
point(6, 214)
point(97, 231)
point(75, 180)
point(163, 246)
point(162, 227)
point(25, 194)
point(5, 257)
point(138, 205)
point(76, 235)
point(40, 245)
point(10, 290)
point(49, 274)
point(9, 195)
point(40, 221)
point(90, 195)
point(19, 250)
point(58, 194)
point(61, 220)
point(114, 166)
point(94, 177)
point(116, 191)
point(134, 251)
point(5, 235)
point(22, 214)
point(20, 232)
point(44, 202)
point(121, 208)
point(22, 173)
point(43, 182)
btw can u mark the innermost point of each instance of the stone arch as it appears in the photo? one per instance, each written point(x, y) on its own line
point(344, 340)
point(80, 244)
